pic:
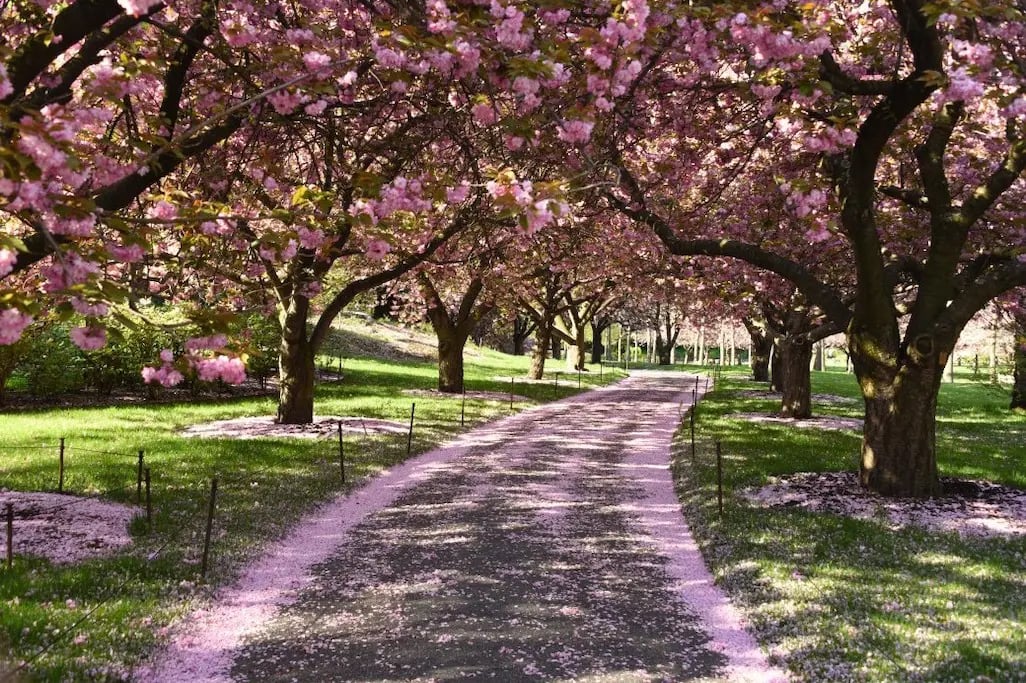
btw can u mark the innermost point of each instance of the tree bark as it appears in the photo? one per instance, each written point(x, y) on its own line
point(795, 356)
point(900, 392)
point(295, 365)
point(760, 352)
point(542, 342)
point(450, 361)
point(776, 368)
point(521, 331)
point(597, 348)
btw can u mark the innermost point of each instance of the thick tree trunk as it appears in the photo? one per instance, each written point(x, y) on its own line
point(557, 348)
point(581, 348)
point(597, 348)
point(1019, 374)
point(450, 362)
point(776, 369)
point(295, 368)
point(761, 347)
point(542, 342)
point(899, 438)
point(795, 356)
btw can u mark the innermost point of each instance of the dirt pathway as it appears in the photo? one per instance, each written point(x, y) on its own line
point(547, 546)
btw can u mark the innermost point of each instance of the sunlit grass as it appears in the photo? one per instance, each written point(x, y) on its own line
point(842, 599)
point(265, 486)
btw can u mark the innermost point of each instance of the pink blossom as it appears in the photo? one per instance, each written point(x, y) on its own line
point(484, 114)
point(5, 83)
point(7, 260)
point(316, 61)
point(130, 253)
point(310, 239)
point(163, 211)
point(138, 8)
point(165, 376)
point(285, 102)
point(12, 323)
point(317, 108)
point(89, 338)
point(167, 356)
point(575, 132)
point(457, 194)
point(229, 370)
point(212, 343)
point(98, 309)
point(377, 249)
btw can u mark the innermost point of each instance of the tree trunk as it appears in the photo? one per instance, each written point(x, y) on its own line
point(795, 357)
point(557, 348)
point(899, 438)
point(761, 347)
point(542, 342)
point(1019, 374)
point(295, 366)
point(597, 348)
point(581, 346)
point(450, 362)
point(776, 368)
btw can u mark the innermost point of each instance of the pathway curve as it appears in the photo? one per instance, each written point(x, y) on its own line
point(546, 546)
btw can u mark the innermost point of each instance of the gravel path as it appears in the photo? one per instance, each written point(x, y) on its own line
point(546, 546)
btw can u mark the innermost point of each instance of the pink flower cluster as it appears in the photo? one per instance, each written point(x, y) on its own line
point(575, 132)
point(377, 249)
point(511, 31)
point(89, 338)
point(138, 8)
point(214, 342)
point(227, 369)
point(7, 260)
point(166, 375)
point(12, 323)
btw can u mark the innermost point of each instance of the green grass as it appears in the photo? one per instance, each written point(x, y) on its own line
point(94, 620)
point(841, 599)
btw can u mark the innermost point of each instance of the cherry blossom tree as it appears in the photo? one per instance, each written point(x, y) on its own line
point(903, 126)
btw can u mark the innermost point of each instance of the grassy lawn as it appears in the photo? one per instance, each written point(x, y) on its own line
point(93, 620)
point(840, 599)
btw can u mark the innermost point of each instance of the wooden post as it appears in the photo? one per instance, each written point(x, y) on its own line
point(139, 479)
point(409, 437)
point(578, 378)
point(602, 367)
point(149, 500)
point(10, 535)
point(555, 386)
point(719, 478)
point(60, 470)
point(210, 527)
point(511, 394)
point(694, 406)
point(341, 453)
point(463, 407)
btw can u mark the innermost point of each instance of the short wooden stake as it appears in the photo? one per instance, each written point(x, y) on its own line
point(555, 386)
point(602, 367)
point(693, 406)
point(578, 378)
point(149, 500)
point(139, 479)
point(60, 470)
point(409, 437)
point(210, 527)
point(719, 478)
point(10, 534)
point(463, 407)
point(511, 393)
point(341, 453)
